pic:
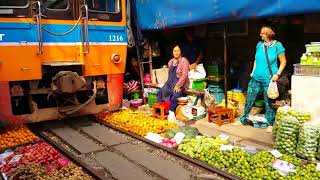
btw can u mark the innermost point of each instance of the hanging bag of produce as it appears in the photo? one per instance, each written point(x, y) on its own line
point(287, 135)
point(308, 142)
point(273, 92)
point(283, 81)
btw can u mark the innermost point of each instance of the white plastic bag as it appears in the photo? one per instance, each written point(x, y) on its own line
point(258, 118)
point(208, 98)
point(198, 73)
point(171, 116)
point(273, 92)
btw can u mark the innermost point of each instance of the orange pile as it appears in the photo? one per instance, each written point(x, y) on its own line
point(137, 123)
point(16, 136)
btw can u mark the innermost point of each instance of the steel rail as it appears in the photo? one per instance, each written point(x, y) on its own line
point(175, 153)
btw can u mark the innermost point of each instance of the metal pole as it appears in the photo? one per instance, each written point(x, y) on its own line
point(150, 60)
point(225, 65)
point(141, 71)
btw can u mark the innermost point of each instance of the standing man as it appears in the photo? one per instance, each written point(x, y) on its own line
point(192, 50)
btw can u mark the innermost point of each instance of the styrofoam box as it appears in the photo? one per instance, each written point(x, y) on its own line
point(306, 94)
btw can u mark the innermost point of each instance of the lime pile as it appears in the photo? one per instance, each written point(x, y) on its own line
point(257, 166)
point(208, 150)
point(306, 171)
point(291, 159)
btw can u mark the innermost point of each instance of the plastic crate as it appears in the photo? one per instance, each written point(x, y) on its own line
point(257, 124)
point(306, 70)
point(220, 115)
point(152, 98)
point(215, 70)
point(199, 84)
point(313, 47)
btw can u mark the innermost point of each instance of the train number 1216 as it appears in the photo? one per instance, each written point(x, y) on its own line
point(115, 38)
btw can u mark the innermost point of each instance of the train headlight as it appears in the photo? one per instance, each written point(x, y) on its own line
point(116, 58)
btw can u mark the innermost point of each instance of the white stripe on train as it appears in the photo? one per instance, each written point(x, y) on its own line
point(59, 44)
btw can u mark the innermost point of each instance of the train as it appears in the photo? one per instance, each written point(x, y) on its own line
point(61, 58)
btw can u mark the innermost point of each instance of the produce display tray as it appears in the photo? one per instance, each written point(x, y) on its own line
point(306, 70)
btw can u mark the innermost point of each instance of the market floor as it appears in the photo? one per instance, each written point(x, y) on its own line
point(240, 134)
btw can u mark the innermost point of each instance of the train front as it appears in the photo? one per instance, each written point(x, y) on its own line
point(60, 58)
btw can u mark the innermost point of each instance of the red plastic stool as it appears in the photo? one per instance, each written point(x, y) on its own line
point(160, 110)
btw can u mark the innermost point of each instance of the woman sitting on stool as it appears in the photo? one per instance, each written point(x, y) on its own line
point(177, 79)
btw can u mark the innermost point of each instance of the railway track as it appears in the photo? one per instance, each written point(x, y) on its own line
point(107, 152)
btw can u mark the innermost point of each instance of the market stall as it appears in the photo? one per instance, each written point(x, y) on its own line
point(296, 143)
point(293, 157)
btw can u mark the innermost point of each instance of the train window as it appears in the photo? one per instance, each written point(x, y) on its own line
point(56, 4)
point(104, 6)
point(14, 4)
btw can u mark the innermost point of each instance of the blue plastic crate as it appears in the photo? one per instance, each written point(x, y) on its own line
point(219, 97)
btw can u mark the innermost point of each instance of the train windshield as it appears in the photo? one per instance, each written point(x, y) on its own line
point(56, 4)
point(13, 3)
point(104, 6)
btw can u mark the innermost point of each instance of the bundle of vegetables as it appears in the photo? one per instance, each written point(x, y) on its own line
point(37, 172)
point(302, 117)
point(318, 156)
point(192, 146)
point(137, 123)
point(308, 142)
point(282, 112)
point(40, 153)
point(287, 135)
point(190, 132)
point(16, 136)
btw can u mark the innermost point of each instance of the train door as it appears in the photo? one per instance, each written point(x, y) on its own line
point(106, 45)
point(61, 39)
point(106, 50)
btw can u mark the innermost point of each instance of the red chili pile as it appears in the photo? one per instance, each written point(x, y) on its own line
point(40, 153)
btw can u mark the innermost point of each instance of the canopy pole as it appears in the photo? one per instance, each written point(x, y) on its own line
point(141, 71)
point(225, 64)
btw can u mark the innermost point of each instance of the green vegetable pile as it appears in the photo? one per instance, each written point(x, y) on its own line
point(287, 135)
point(308, 142)
point(190, 132)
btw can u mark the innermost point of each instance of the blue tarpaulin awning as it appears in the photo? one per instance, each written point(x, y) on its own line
point(161, 14)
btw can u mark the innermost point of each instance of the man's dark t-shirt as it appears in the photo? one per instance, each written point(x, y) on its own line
point(191, 51)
